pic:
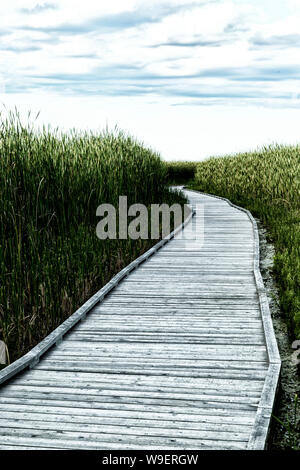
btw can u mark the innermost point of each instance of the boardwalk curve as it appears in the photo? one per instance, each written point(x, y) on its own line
point(177, 352)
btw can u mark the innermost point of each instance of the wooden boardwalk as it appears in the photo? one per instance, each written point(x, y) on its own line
point(181, 354)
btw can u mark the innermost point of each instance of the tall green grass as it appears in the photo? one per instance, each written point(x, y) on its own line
point(50, 186)
point(267, 182)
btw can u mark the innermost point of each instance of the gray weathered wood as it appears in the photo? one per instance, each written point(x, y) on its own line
point(176, 352)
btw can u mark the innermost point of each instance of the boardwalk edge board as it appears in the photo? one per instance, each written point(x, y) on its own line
point(56, 336)
point(261, 426)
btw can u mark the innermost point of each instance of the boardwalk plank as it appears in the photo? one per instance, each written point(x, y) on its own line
point(206, 408)
point(53, 443)
point(62, 413)
point(240, 433)
point(204, 424)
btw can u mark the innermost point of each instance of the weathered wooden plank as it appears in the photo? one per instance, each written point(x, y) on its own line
point(132, 361)
point(199, 332)
point(166, 272)
point(198, 262)
point(204, 423)
point(167, 347)
point(185, 282)
point(160, 315)
point(217, 340)
point(119, 384)
point(139, 379)
point(200, 257)
point(52, 441)
point(202, 312)
point(234, 302)
point(249, 328)
point(194, 287)
point(201, 280)
point(202, 296)
point(258, 373)
point(190, 253)
point(162, 415)
point(173, 320)
point(207, 407)
point(218, 309)
point(250, 331)
point(24, 447)
point(161, 347)
point(167, 290)
point(200, 402)
point(102, 390)
point(165, 338)
point(113, 431)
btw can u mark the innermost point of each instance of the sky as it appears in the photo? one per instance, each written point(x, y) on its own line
point(190, 79)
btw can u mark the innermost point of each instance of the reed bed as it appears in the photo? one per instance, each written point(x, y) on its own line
point(267, 182)
point(181, 172)
point(50, 186)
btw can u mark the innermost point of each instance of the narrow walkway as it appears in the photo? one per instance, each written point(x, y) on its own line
point(180, 355)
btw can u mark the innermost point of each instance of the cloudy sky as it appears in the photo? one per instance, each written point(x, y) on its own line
point(189, 78)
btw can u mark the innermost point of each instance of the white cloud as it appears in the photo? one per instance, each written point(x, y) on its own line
point(157, 62)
